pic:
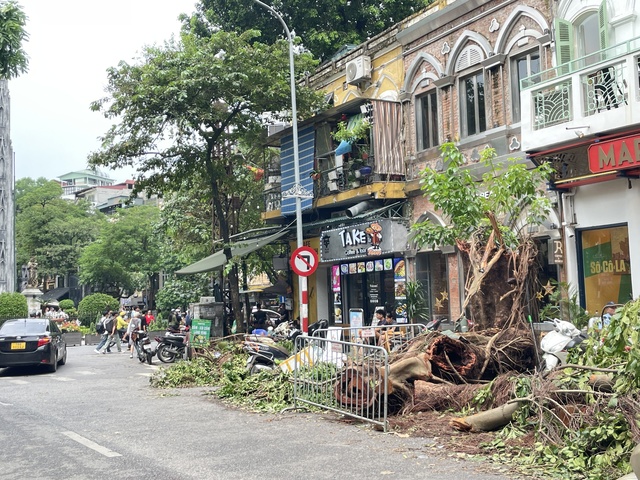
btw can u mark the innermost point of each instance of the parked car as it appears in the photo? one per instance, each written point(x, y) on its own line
point(32, 341)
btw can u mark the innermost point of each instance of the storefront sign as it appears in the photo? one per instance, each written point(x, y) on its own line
point(612, 155)
point(556, 252)
point(200, 331)
point(375, 238)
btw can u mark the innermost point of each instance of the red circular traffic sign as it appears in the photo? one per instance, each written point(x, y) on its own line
point(304, 261)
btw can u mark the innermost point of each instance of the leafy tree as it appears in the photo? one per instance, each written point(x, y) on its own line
point(13, 59)
point(324, 27)
point(66, 304)
point(50, 228)
point(12, 305)
point(180, 292)
point(183, 108)
point(488, 221)
point(129, 244)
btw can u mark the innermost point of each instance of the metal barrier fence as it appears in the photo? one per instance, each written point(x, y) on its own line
point(344, 377)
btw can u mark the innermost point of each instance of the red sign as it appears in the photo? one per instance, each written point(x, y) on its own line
point(304, 261)
point(619, 154)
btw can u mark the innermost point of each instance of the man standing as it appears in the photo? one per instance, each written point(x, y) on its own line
point(111, 329)
point(101, 324)
point(259, 320)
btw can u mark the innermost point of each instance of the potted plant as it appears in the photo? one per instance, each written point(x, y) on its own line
point(71, 333)
point(315, 174)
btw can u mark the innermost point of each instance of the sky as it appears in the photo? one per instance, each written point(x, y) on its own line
point(71, 44)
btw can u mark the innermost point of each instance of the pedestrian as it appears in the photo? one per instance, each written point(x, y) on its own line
point(149, 318)
point(111, 328)
point(100, 324)
point(284, 313)
point(121, 325)
point(135, 325)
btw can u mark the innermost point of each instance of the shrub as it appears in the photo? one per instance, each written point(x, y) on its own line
point(67, 304)
point(92, 306)
point(13, 305)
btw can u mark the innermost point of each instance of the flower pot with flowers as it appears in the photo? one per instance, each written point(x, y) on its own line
point(71, 333)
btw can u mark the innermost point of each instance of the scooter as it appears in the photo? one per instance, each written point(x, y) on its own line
point(142, 346)
point(555, 344)
point(171, 346)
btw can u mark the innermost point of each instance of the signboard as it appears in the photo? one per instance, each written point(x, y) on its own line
point(304, 261)
point(556, 252)
point(371, 239)
point(199, 333)
point(612, 155)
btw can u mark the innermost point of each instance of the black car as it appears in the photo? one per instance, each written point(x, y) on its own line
point(32, 341)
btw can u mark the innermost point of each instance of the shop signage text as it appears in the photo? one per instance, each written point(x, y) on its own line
point(372, 239)
point(619, 154)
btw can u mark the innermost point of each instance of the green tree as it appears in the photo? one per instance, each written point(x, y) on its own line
point(186, 105)
point(488, 219)
point(128, 248)
point(50, 228)
point(324, 27)
point(13, 59)
point(92, 306)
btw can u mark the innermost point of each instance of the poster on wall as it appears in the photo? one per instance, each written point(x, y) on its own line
point(401, 310)
point(606, 266)
point(399, 269)
point(356, 317)
point(335, 278)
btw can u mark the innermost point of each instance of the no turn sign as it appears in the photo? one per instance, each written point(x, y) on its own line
point(304, 261)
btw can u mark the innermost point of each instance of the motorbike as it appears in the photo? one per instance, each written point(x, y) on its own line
point(264, 353)
point(555, 344)
point(142, 346)
point(171, 346)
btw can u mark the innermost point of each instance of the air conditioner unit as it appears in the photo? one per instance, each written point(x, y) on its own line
point(359, 69)
point(273, 129)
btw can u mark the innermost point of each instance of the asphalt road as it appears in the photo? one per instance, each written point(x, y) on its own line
point(98, 417)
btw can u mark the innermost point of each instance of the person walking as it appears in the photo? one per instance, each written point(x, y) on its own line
point(111, 328)
point(100, 324)
point(135, 324)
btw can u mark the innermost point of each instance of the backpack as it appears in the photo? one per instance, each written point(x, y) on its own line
point(100, 326)
point(108, 324)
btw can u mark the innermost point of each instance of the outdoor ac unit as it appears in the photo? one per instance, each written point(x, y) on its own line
point(273, 129)
point(359, 69)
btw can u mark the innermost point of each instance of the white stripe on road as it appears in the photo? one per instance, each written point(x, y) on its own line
point(19, 382)
point(62, 379)
point(6, 404)
point(92, 445)
point(85, 372)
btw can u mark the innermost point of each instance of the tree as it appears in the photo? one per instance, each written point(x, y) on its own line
point(183, 109)
point(92, 306)
point(324, 27)
point(12, 305)
point(50, 228)
point(13, 59)
point(129, 244)
point(488, 221)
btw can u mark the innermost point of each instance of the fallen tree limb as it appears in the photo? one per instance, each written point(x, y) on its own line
point(486, 421)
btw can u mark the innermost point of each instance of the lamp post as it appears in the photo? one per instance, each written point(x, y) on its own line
point(297, 191)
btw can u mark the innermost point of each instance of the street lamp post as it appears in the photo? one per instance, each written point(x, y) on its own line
point(297, 191)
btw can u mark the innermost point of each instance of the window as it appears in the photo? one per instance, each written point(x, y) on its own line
point(522, 66)
point(427, 121)
point(431, 272)
point(582, 38)
point(473, 116)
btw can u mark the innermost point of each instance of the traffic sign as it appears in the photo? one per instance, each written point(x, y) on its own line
point(304, 261)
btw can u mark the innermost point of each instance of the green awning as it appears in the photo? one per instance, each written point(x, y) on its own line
point(238, 249)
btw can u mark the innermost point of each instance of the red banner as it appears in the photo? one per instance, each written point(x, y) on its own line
point(613, 155)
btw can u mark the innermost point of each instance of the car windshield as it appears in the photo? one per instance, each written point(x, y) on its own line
point(22, 327)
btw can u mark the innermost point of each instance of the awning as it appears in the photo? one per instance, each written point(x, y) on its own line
point(238, 249)
point(55, 294)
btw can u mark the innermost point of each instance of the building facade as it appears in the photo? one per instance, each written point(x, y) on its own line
point(7, 197)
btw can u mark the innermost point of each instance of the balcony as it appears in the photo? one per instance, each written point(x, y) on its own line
point(590, 95)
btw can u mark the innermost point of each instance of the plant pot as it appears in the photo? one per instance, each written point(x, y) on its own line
point(73, 338)
point(355, 183)
point(92, 339)
point(332, 185)
point(366, 170)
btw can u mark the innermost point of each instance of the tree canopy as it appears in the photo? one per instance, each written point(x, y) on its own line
point(13, 59)
point(184, 108)
point(324, 27)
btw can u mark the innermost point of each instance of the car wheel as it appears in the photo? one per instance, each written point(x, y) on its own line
point(53, 366)
point(63, 360)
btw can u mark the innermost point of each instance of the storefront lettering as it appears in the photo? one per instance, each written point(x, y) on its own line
point(608, 266)
point(353, 237)
point(617, 154)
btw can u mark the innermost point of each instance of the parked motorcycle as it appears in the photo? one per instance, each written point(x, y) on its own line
point(171, 346)
point(555, 344)
point(142, 346)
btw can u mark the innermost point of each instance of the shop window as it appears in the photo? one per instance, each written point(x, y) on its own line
point(472, 103)
point(427, 121)
point(431, 272)
point(522, 66)
point(605, 267)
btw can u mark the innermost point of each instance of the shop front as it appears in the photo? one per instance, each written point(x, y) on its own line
point(367, 271)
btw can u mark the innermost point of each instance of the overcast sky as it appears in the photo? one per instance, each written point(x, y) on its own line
point(71, 44)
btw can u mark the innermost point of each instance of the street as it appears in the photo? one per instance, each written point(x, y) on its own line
point(98, 417)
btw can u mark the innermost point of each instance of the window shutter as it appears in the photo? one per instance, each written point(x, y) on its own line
point(564, 45)
point(603, 24)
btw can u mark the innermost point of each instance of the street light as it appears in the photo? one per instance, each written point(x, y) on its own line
point(297, 191)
